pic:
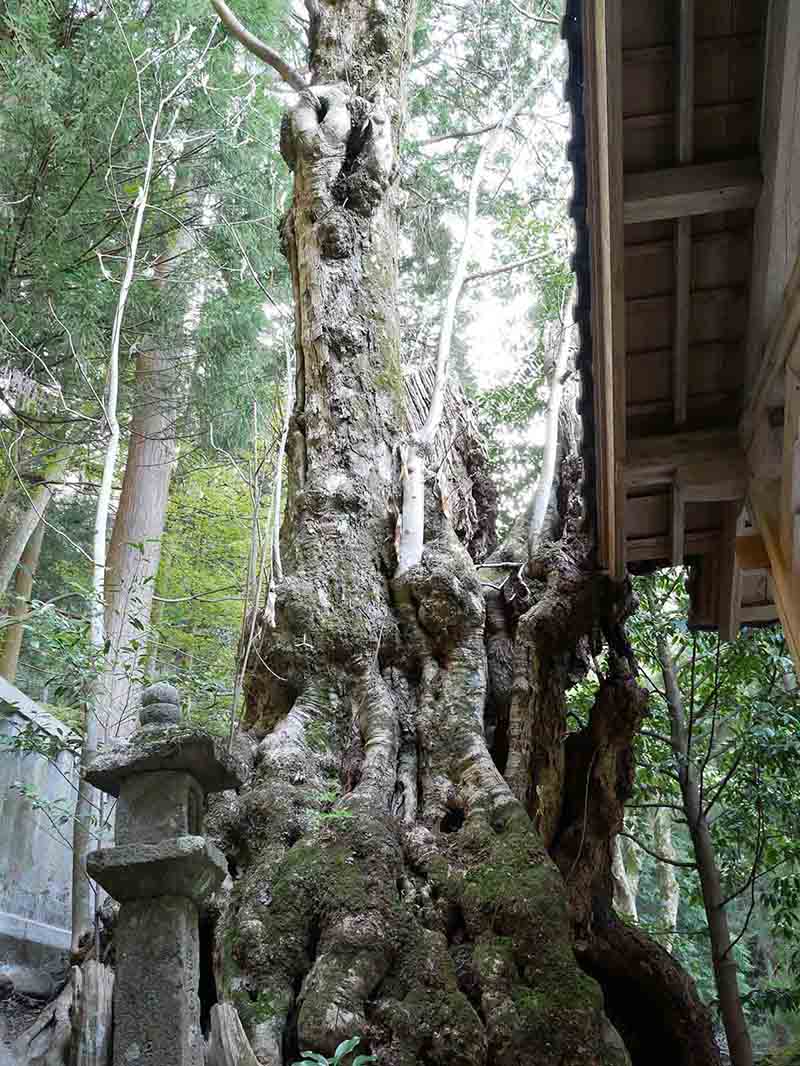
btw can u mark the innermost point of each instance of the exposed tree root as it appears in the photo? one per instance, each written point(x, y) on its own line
point(650, 999)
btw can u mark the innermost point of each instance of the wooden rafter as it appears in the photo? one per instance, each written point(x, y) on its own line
point(603, 58)
point(679, 192)
point(709, 463)
point(683, 227)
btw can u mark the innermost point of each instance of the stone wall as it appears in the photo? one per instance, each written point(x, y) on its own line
point(35, 856)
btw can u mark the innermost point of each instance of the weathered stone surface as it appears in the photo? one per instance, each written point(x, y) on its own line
point(186, 866)
point(35, 866)
point(158, 806)
point(161, 692)
point(159, 714)
point(28, 981)
point(173, 748)
point(156, 1008)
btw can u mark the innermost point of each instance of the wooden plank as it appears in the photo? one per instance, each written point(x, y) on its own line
point(776, 233)
point(678, 192)
point(653, 549)
point(685, 80)
point(703, 458)
point(752, 553)
point(758, 613)
point(603, 82)
point(703, 597)
point(684, 110)
point(779, 344)
point(708, 46)
point(654, 119)
point(730, 593)
point(790, 472)
point(764, 505)
point(678, 527)
point(683, 300)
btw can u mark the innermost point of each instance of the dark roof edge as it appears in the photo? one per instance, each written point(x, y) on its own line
point(572, 32)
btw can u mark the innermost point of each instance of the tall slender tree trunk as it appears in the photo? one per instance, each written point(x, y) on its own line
point(723, 962)
point(135, 547)
point(23, 587)
point(669, 888)
point(89, 818)
point(625, 868)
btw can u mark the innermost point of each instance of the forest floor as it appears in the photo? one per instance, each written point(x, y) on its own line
point(17, 1013)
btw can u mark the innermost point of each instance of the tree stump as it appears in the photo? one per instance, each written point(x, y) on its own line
point(90, 1014)
point(228, 1045)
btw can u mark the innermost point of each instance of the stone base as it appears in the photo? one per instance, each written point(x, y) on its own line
point(156, 1007)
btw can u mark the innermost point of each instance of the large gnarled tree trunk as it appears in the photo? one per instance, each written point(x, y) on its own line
point(388, 880)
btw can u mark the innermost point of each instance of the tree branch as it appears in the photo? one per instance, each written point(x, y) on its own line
point(459, 135)
point(721, 787)
point(660, 858)
point(257, 47)
point(502, 269)
point(534, 18)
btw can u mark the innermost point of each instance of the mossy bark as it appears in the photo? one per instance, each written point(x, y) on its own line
point(387, 879)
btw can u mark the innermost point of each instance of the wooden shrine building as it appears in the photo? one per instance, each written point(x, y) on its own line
point(691, 118)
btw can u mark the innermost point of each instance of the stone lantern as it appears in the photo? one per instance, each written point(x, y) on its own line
point(161, 870)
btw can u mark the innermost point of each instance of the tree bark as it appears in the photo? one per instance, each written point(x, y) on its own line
point(228, 1045)
point(23, 587)
point(388, 881)
point(39, 500)
point(47, 1041)
point(135, 547)
point(723, 962)
point(625, 863)
point(90, 1014)
point(420, 909)
point(668, 885)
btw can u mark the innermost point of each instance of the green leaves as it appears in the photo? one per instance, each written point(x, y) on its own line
point(347, 1047)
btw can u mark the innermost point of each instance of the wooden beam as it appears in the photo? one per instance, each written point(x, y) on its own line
point(764, 506)
point(699, 189)
point(730, 585)
point(654, 549)
point(790, 472)
point(701, 459)
point(776, 229)
point(685, 81)
point(751, 553)
point(677, 525)
point(758, 613)
point(780, 343)
point(602, 39)
point(683, 300)
point(684, 112)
